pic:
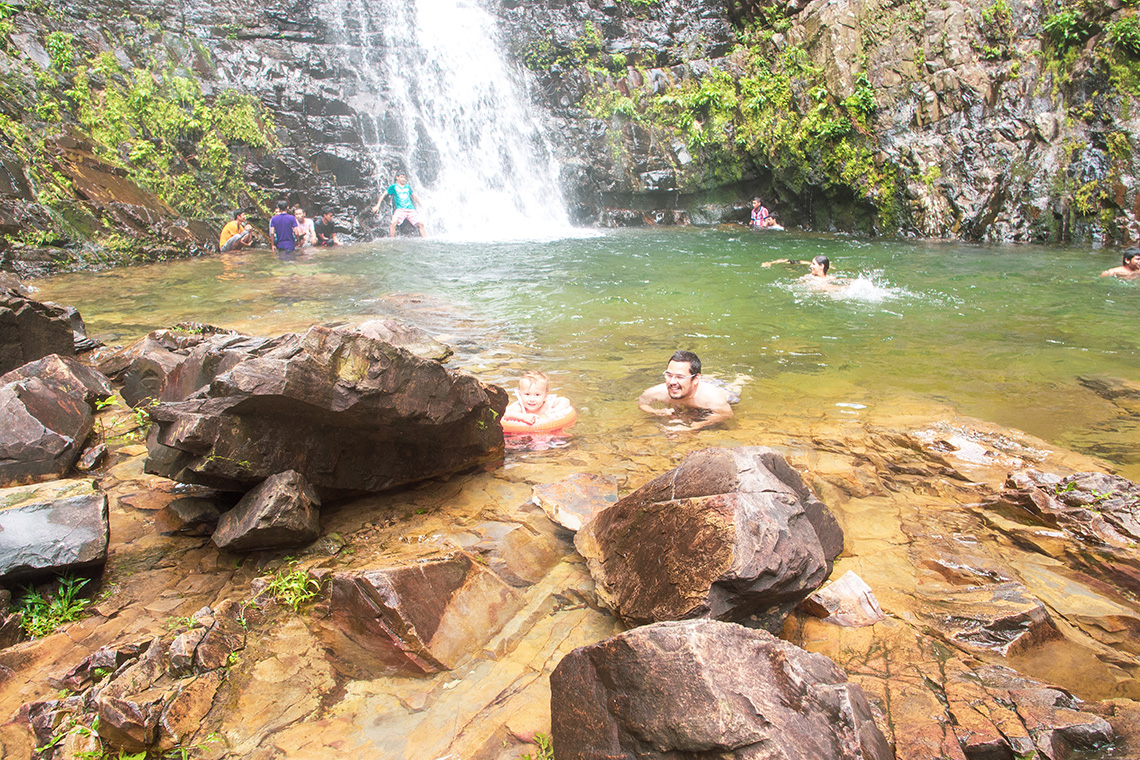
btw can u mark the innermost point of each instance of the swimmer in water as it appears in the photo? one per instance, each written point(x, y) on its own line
point(1129, 268)
point(534, 403)
point(818, 266)
point(683, 391)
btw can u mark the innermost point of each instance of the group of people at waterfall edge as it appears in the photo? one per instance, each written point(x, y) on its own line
point(288, 229)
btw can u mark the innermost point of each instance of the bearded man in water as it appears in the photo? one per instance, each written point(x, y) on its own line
point(684, 395)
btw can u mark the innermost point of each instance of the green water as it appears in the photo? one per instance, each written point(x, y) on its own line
point(1000, 333)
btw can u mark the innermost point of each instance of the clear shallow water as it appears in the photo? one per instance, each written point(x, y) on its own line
point(1000, 333)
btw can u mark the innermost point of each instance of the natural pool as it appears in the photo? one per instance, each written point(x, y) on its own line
point(867, 389)
point(999, 333)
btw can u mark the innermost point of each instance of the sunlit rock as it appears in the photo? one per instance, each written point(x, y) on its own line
point(704, 688)
point(280, 513)
point(574, 500)
point(31, 330)
point(63, 535)
point(848, 601)
point(729, 534)
point(1094, 506)
point(417, 618)
point(350, 413)
point(46, 413)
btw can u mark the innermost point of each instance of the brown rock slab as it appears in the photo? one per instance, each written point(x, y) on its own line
point(64, 535)
point(416, 619)
point(183, 713)
point(728, 534)
point(848, 601)
point(707, 689)
point(30, 330)
point(46, 413)
point(350, 413)
point(282, 512)
point(574, 500)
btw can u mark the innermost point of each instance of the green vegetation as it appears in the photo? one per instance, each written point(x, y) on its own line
point(42, 615)
point(1124, 34)
point(1066, 29)
point(293, 587)
point(545, 748)
point(61, 50)
point(780, 114)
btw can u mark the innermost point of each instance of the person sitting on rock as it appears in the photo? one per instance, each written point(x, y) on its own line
point(326, 230)
point(236, 234)
point(535, 404)
point(1129, 268)
point(683, 393)
point(761, 219)
point(306, 233)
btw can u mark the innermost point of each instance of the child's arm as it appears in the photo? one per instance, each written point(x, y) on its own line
point(558, 406)
point(514, 411)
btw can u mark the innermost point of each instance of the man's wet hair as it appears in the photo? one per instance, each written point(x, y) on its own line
point(238, 212)
point(824, 261)
point(688, 356)
point(282, 205)
point(1129, 254)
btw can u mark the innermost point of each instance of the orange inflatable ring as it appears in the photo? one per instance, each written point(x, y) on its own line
point(544, 425)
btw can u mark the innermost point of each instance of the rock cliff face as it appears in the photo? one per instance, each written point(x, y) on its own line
point(128, 129)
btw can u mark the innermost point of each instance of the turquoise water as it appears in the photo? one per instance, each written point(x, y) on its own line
point(999, 333)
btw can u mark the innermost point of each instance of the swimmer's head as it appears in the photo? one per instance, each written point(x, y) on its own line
point(819, 265)
point(533, 387)
point(755, 203)
point(1131, 258)
point(681, 374)
point(283, 206)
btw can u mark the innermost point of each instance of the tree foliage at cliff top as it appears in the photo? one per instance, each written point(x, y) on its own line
point(153, 121)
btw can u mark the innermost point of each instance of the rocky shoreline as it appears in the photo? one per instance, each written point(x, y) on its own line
point(982, 603)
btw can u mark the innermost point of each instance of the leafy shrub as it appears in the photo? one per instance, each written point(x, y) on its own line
point(1125, 35)
point(293, 587)
point(1066, 28)
point(61, 50)
point(42, 615)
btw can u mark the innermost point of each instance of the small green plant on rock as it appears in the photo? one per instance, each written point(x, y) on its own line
point(61, 50)
point(293, 587)
point(545, 748)
point(1066, 29)
point(42, 615)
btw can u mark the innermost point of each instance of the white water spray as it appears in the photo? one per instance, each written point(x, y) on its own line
point(453, 113)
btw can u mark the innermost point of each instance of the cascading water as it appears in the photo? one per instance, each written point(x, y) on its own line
point(453, 113)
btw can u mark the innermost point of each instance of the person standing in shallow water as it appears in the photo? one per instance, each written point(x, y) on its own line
point(1129, 268)
point(405, 202)
point(684, 392)
point(283, 229)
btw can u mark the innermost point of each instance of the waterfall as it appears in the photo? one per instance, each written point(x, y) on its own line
point(448, 108)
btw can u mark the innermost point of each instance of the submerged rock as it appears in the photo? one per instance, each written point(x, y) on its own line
point(707, 689)
point(1094, 506)
point(350, 413)
point(729, 534)
point(53, 537)
point(282, 512)
point(574, 500)
point(46, 414)
point(416, 619)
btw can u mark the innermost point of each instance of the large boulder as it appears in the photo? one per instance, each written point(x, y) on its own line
point(415, 619)
point(349, 412)
point(46, 413)
point(729, 534)
point(707, 689)
point(282, 512)
point(51, 537)
point(31, 330)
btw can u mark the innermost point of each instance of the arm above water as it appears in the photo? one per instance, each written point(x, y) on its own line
point(655, 395)
point(715, 401)
point(767, 264)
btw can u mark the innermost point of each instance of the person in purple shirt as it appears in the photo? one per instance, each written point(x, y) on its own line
point(283, 229)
